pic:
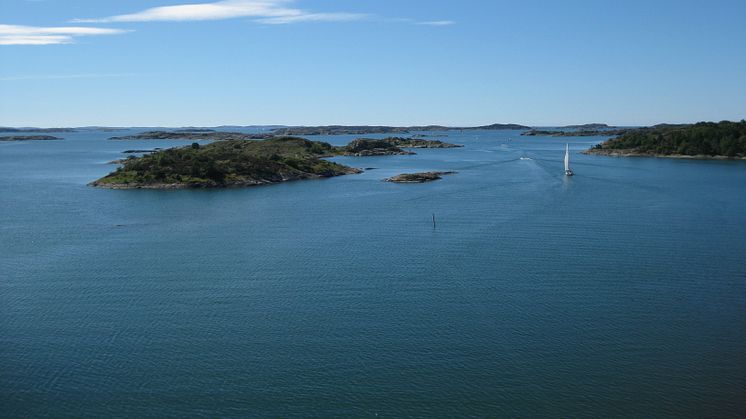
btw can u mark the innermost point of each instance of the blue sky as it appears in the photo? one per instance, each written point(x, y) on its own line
point(468, 62)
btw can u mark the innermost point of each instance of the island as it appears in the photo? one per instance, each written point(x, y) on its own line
point(589, 126)
point(366, 147)
point(229, 163)
point(390, 146)
point(384, 129)
point(704, 140)
point(45, 130)
point(575, 133)
point(28, 138)
point(417, 177)
point(194, 135)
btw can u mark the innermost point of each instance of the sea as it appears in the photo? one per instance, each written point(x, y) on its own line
point(620, 291)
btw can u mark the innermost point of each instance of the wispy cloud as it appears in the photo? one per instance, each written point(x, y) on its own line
point(35, 35)
point(314, 17)
point(273, 12)
point(436, 23)
point(65, 76)
point(225, 9)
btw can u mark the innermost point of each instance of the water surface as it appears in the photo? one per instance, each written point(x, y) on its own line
point(619, 291)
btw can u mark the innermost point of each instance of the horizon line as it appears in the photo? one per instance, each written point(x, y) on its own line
point(350, 125)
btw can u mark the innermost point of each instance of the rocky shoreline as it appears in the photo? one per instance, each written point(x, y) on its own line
point(634, 153)
point(213, 184)
point(418, 177)
point(366, 147)
point(724, 140)
point(227, 164)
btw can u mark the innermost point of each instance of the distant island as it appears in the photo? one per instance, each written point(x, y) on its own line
point(417, 177)
point(589, 126)
point(576, 133)
point(28, 138)
point(383, 129)
point(48, 130)
point(194, 135)
point(723, 139)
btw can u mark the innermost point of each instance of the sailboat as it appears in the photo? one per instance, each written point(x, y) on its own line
point(568, 171)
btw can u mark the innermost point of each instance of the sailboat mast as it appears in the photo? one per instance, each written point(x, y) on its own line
point(567, 157)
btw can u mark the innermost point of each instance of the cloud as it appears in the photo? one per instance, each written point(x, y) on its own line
point(436, 23)
point(273, 12)
point(34, 35)
point(226, 9)
point(314, 17)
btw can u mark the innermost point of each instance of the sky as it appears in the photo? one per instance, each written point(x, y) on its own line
point(366, 62)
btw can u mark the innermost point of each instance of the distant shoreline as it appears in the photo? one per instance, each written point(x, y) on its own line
point(633, 153)
point(9, 138)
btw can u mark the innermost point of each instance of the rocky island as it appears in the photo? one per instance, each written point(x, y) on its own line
point(417, 177)
point(28, 138)
point(367, 147)
point(194, 135)
point(705, 140)
point(390, 146)
point(245, 162)
point(229, 163)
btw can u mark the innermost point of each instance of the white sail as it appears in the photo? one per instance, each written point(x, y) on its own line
point(567, 157)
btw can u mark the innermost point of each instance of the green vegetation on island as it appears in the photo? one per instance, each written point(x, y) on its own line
point(227, 164)
point(723, 139)
point(245, 162)
point(418, 177)
point(28, 138)
point(390, 146)
point(367, 147)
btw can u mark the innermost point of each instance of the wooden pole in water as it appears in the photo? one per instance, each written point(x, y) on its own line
point(433, 220)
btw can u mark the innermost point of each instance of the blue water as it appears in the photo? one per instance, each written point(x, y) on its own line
point(618, 292)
